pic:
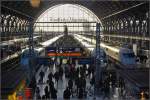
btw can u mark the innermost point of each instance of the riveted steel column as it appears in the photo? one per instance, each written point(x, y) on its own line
point(31, 50)
point(97, 58)
point(30, 35)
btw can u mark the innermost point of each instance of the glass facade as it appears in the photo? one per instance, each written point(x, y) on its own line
point(76, 17)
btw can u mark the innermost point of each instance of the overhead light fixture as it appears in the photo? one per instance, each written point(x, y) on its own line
point(35, 3)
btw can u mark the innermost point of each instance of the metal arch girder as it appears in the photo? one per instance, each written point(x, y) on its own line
point(20, 5)
point(7, 11)
point(125, 16)
point(131, 11)
point(13, 19)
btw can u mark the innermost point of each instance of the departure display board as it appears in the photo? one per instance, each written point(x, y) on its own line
point(63, 51)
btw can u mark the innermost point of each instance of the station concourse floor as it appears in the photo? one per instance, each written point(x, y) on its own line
point(62, 85)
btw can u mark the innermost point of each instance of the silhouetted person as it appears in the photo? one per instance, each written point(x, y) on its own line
point(70, 86)
point(60, 72)
point(80, 94)
point(66, 72)
point(53, 92)
point(37, 93)
point(83, 84)
point(67, 93)
point(89, 71)
point(47, 93)
point(51, 84)
point(50, 76)
point(42, 75)
point(80, 82)
point(70, 75)
point(72, 72)
point(84, 69)
point(77, 83)
point(56, 75)
point(92, 82)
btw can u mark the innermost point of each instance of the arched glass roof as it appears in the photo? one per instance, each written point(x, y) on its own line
point(67, 14)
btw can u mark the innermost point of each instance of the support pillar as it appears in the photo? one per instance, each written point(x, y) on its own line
point(32, 55)
point(98, 70)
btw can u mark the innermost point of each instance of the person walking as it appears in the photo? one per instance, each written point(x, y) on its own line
point(37, 91)
point(47, 93)
point(56, 76)
point(50, 76)
point(70, 86)
point(53, 93)
point(61, 72)
point(41, 75)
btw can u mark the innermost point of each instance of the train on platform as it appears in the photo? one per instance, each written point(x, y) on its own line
point(38, 51)
point(90, 48)
point(124, 56)
point(30, 64)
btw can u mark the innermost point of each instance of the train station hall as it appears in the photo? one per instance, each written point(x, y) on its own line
point(75, 50)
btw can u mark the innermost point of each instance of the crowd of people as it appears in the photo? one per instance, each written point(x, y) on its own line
point(76, 78)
